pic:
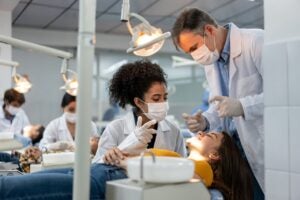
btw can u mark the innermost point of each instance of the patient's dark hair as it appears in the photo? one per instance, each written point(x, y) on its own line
point(134, 80)
point(41, 130)
point(191, 20)
point(232, 175)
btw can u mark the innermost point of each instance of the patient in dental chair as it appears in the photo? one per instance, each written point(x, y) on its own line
point(217, 163)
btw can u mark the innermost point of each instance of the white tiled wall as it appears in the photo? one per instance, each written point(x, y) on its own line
point(275, 75)
point(282, 114)
point(281, 66)
point(294, 130)
point(277, 185)
point(276, 141)
point(293, 54)
point(282, 124)
point(295, 191)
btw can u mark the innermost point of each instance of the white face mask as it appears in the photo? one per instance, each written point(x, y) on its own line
point(204, 56)
point(70, 117)
point(12, 110)
point(157, 111)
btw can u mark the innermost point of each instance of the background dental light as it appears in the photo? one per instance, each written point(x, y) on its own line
point(146, 39)
point(21, 83)
point(70, 79)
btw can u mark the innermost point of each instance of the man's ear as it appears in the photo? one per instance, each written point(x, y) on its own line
point(214, 156)
point(210, 29)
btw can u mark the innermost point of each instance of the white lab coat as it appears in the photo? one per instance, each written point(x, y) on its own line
point(119, 133)
point(57, 130)
point(245, 84)
point(19, 122)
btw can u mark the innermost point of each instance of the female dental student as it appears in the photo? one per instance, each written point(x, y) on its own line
point(59, 135)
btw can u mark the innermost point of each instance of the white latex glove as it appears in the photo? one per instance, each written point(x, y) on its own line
point(228, 107)
point(61, 146)
point(196, 122)
point(144, 133)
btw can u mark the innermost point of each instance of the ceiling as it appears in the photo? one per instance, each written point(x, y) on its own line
point(63, 14)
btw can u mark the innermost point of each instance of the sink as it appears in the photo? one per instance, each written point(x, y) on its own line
point(58, 158)
point(163, 170)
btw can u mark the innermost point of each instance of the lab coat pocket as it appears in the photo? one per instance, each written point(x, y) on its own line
point(250, 85)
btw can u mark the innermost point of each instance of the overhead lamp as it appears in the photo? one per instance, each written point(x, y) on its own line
point(70, 79)
point(146, 39)
point(22, 84)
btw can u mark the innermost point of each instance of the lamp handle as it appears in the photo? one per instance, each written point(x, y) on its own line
point(139, 17)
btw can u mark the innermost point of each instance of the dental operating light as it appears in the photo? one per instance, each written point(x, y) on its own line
point(70, 79)
point(22, 84)
point(146, 39)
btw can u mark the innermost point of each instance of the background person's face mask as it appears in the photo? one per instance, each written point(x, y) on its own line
point(12, 110)
point(70, 117)
point(157, 111)
point(204, 56)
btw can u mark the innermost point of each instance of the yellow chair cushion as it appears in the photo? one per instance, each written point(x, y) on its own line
point(164, 152)
point(202, 167)
point(204, 171)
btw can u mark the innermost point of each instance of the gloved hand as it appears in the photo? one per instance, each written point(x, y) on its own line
point(196, 122)
point(61, 146)
point(228, 107)
point(144, 133)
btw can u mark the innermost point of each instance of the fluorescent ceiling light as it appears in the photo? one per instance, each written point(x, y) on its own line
point(182, 62)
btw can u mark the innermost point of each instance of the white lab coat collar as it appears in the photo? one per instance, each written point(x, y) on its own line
point(63, 126)
point(235, 41)
point(130, 124)
point(2, 113)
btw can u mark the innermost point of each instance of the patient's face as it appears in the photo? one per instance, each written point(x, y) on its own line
point(205, 143)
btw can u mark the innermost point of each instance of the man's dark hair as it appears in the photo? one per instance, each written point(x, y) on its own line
point(191, 20)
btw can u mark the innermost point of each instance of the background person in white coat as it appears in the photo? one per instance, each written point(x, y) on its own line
point(59, 134)
point(142, 85)
point(232, 63)
point(12, 116)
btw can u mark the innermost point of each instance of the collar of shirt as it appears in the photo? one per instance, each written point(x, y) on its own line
point(3, 116)
point(224, 56)
point(63, 124)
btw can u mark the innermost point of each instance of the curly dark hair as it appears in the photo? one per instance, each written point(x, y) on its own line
point(134, 80)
